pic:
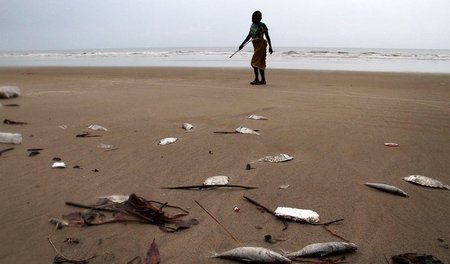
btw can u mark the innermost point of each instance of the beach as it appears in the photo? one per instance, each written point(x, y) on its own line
point(333, 123)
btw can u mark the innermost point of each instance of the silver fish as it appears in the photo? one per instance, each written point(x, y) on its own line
point(426, 181)
point(253, 254)
point(323, 249)
point(277, 158)
point(257, 117)
point(246, 130)
point(387, 188)
point(166, 141)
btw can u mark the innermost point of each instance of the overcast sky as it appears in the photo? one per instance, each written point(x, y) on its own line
point(87, 24)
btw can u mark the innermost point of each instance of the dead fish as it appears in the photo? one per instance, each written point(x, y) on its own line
point(217, 180)
point(277, 158)
point(387, 188)
point(187, 126)
point(426, 181)
point(323, 249)
point(246, 130)
point(389, 144)
point(253, 254)
point(97, 127)
point(256, 117)
point(166, 141)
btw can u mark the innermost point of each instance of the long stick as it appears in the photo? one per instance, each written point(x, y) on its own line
point(239, 49)
point(217, 221)
point(200, 187)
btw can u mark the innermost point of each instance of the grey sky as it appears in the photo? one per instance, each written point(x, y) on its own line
point(86, 24)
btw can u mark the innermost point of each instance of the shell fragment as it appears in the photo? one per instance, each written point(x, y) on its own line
point(187, 126)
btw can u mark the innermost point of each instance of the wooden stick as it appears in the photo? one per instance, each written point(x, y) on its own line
point(208, 186)
point(5, 150)
point(334, 234)
point(269, 211)
point(217, 221)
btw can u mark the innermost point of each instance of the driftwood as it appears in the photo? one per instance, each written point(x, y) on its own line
point(87, 134)
point(5, 150)
point(10, 122)
point(135, 209)
point(202, 186)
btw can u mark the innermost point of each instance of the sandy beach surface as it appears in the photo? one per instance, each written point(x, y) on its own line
point(334, 124)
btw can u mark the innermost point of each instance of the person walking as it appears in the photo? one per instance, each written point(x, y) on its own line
point(258, 31)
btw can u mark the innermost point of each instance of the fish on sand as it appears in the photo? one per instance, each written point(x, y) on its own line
point(253, 254)
point(426, 181)
point(387, 188)
point(323, 249)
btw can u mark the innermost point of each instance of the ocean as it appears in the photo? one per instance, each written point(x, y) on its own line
point(341, 59)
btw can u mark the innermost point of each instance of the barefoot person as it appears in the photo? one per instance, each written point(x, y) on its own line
point(257, 32)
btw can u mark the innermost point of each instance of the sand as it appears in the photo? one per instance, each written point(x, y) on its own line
point(334, 124)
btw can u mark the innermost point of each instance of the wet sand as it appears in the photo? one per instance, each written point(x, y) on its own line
point(334, 124)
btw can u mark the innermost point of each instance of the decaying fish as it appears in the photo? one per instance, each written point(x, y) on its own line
point(97, 127)
point(153, 254)
point(277, 158)
point(166, 141)
point(257, 117)
point(187, 126)
point(246, 130)
point(217, 180)
point(426, 181)
point(323, 249)
point(415, 258)
point(299, 215)
point(387, 188)
point(253, 254)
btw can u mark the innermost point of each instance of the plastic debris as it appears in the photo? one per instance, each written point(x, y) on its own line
point(391, 144)
point(277, 158)
point(217, 180)
point(7, 92)
point(97, 128)
point(299, 215)
point(104, 146)
point(59, 165)
point(187, 126)
point(257, 117)
point(10, 138)
point(245, 130)
point(426, 181)
point(166, 141)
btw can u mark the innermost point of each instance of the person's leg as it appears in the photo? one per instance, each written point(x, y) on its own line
point(256, 81)
point(263, 77)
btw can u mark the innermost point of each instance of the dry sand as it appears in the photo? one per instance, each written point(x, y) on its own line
point(334, 124)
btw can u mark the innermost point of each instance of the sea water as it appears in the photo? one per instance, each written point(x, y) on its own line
point(347, 59)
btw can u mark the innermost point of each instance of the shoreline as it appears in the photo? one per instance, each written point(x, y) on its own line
point(334, 124)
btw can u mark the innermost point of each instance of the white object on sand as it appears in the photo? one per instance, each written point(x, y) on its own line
point(217, 180)
point(391, 144)
point(10, 138)
point(426, 181)
point(323, 249)
point(104, 146)
point(387, 188)
point(295, 214)
point(166, 141)
point(257, 117)
point(253, 255)
point(9, 92)
point(277, 158)
point(115, 198)
point(97, 127)
point(59, 165)
point(245, 130)
point(187, 126)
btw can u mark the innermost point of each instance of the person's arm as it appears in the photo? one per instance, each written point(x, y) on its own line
point(268, 41)
point(245, 41)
